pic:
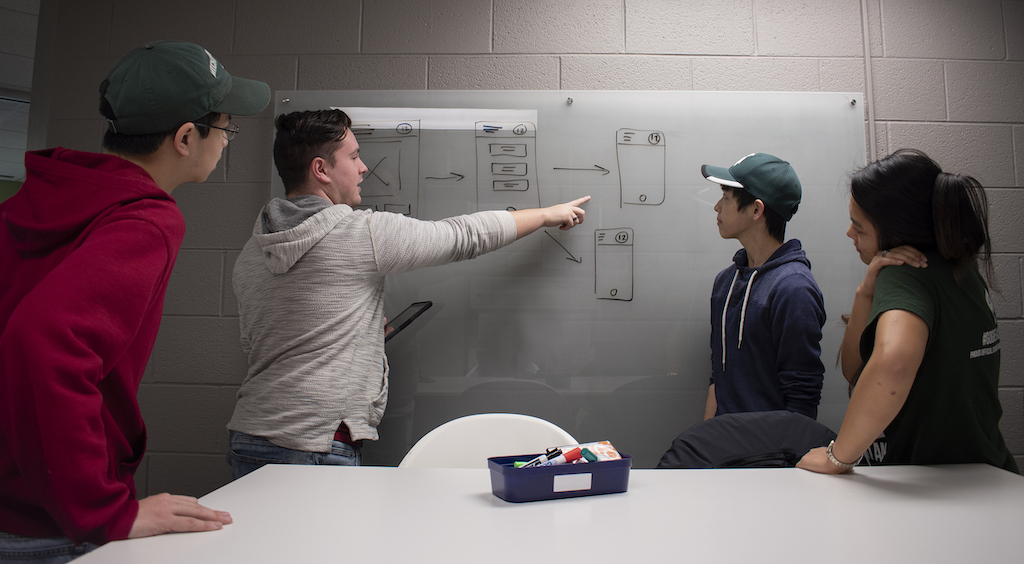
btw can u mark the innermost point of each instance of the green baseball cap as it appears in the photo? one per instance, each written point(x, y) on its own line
point(161, 85)
point(769, 178)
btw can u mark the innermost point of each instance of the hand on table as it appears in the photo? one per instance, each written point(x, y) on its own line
point(166, 513)
point(817, 461)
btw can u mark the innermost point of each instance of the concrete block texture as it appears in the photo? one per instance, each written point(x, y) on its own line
point(76, 83)
point(77, 134)
point(17, 73)
point(220, 216)
point(362, 73)
point(249, 157)
point(199, 350)
point(1007, 298)
point(1011, 342)
point(943, 29)
point(755, 74)
point(195, 284)
point(842, 75)
point(567, 26)
point(266, 27)
point(137, 22)
point(18, 30)
point(984, 91)
point(229, 303)
point(1012, 423)
point(1013, 27)
point(83, 28)
point(982, 151)
point(881, 142)
point(874, 13)
point(187, 474)
point(820, 28)
point(279, 72)
point(188, 419)
point(704, 27)
point(1018, 154)
point(626, 72)
point(142, 478)
point(26, 6)
point(908, 90)
point(219, 173)
point(1005, 210)
point(427, 26)
point(497, 72)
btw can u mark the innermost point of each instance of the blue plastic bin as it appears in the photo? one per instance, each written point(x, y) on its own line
point(556, 482)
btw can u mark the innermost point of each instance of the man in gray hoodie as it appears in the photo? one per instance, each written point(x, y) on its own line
point(310, 289)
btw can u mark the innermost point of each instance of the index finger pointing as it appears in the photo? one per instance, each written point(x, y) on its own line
point(579, 201)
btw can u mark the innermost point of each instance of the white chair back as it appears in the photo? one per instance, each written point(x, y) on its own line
point(467, 442)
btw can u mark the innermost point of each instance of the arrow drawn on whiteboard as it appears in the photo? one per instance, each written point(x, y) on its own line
point(460, 177)
point(570, 257)
point(596, 168)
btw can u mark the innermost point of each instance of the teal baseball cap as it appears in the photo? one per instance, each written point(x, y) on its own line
point(767, 177)
point(161, 85)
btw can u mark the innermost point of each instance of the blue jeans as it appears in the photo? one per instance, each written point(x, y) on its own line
point(247, 453)
point(24, 550)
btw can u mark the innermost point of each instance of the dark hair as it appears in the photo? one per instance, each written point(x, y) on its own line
point(776, 225)
point(910, 201)
point(304, 136)
point(146, 143)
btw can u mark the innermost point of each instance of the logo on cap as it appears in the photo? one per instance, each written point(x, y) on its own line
point(213, 63)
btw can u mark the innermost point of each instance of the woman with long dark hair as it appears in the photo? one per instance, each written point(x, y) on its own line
point(921, 347)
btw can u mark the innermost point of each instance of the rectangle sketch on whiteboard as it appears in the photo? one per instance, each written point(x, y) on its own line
point(641, 157)
point(506, 164)
point(613, 263)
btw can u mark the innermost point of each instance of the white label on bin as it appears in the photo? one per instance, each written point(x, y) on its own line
point(572, 482)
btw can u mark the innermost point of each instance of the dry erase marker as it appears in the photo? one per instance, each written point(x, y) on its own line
point(563, 458)
point(540, 460)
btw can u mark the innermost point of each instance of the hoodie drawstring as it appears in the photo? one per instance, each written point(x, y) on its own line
point(743, 311)
point(725, 308)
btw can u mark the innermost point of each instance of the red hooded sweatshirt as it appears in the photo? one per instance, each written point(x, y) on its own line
point(86, 250)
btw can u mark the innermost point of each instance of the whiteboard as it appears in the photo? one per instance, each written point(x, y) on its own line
point(604, 329)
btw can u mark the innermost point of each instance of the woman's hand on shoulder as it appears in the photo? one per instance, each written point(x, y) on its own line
point(904, 254)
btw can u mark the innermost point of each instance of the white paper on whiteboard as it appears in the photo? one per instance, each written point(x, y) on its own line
point(450, 119)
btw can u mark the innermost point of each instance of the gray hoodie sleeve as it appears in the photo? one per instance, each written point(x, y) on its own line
point(401, 243)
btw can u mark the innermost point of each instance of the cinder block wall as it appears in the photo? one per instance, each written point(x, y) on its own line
point(946, 77)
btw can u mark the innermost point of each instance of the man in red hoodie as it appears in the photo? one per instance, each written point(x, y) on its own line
point(86, 250)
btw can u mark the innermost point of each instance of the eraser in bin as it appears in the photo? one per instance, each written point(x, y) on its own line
point(556, 482)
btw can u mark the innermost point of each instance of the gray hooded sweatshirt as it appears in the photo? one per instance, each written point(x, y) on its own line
point(310, 289)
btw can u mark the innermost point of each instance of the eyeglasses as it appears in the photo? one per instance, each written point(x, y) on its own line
point(229, 131)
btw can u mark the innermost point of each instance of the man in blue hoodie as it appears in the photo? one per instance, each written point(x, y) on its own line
point(766, 309)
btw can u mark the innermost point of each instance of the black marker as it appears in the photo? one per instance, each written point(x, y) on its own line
point(551, 453)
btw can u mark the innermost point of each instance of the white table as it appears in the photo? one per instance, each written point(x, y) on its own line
point(969, 513)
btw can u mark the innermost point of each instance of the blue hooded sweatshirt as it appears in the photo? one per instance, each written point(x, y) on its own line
point(765, 344)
